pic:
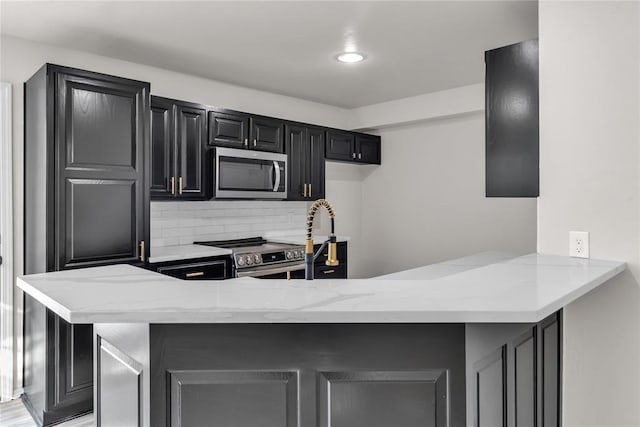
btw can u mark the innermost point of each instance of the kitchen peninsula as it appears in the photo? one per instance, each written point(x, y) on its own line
point(406, 349)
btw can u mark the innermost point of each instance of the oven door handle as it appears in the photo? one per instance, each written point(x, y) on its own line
point(276, 169)
point(268, 271)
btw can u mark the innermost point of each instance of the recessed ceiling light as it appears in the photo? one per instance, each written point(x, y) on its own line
point(350, 57)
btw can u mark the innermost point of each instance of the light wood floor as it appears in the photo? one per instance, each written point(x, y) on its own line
point(14, 414)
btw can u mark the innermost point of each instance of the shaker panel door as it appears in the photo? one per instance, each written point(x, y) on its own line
point(191, 145)
point(162, 148)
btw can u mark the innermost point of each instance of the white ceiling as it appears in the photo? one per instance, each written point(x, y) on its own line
point(289, 47)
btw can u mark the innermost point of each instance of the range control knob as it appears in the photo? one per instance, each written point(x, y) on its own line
point(290, 254)
point(257, 259)
point(300, 253)
point(240, 260)
point(249, 259)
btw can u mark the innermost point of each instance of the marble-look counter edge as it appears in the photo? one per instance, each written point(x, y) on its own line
point(522, 289)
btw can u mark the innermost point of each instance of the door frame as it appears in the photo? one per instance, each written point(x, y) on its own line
point(6, 246)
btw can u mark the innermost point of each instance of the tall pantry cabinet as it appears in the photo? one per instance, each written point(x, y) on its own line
point(86, 204)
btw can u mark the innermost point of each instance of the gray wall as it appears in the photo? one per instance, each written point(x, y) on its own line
point(590, 174)
point(426, 202)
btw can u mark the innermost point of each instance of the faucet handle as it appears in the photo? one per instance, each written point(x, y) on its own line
point(332, 259)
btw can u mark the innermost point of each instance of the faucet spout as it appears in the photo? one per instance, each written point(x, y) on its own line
point(309, 256)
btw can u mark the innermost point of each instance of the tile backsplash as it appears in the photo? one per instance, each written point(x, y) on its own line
point(179, 223)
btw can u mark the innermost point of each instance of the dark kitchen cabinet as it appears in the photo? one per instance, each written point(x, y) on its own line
point(323, 271)
point(179, 150)
point(240, 130)
point(320, 375)
point(305, 151)
point(340, 146)
point(208, 268)
point(227, 129)
point(86, 204)
point(352, 147)
point(267, 134)
point(512, 125)
point(519, 383)
point(368, 149)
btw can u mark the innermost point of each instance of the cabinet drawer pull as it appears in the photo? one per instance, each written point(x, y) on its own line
point(142, 250)
point(255, 143)
point(173, 185)
point(246, 142)
point(309, 190)
point(180, 185)
point(288, 275)
point(354, 155)
point(304, 191)
point(195, 274)
point(359, 156)
point(328, 271)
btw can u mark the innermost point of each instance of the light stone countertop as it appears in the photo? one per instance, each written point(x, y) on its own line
point(297, 237)
point(179, 252)
point(475, 289)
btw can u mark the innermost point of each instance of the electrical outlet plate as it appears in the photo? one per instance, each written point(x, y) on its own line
point(579, 244)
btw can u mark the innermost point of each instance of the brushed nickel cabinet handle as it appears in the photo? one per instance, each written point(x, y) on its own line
point(255, 143)
point(180, 185)
point(328, 271)
point(309, 190)
point(246, 142)
point(288, 275)
point(354, 155)
point(304, 191)
point(142, 250)
point(195, 274)
point(359, 156)
point(173, 185)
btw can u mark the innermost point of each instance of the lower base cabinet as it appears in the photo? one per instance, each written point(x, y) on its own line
point(518, 383)
point(58, 369)
point(284, 375)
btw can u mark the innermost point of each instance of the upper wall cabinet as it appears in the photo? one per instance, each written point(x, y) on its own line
point(305, 152)
point(352, 147)
point(238, 130)
point(178, 150)
point(512, 153)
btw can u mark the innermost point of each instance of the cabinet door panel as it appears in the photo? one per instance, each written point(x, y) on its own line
point(119, 394)
point(101, 201)
point(382, 399)
point(549, 359)
point(100, 128)
point(73, 361)
point(228, 130)
point(316, 167)
point(512, 129)
point(340, 146)
point(266, 135)
point(162, 148)
point(233, 398)
point(191, 134)
point(524, 380)
point(101, 221)
point(490, 402)
point(368, 148)
point(296, 141)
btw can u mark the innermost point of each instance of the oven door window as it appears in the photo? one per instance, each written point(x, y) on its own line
point(238, 174)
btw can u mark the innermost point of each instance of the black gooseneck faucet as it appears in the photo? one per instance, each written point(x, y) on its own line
point(309, 256)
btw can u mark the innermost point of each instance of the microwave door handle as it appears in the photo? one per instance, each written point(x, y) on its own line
point(276, 168)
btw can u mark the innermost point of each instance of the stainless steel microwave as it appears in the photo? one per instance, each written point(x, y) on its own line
point(247, 174)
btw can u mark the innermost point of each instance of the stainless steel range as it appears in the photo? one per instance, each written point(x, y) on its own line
point(257, 257)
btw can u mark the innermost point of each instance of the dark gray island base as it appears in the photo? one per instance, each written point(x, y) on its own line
point(338, 375)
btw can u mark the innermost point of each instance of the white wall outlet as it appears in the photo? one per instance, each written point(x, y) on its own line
point(579, 244)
